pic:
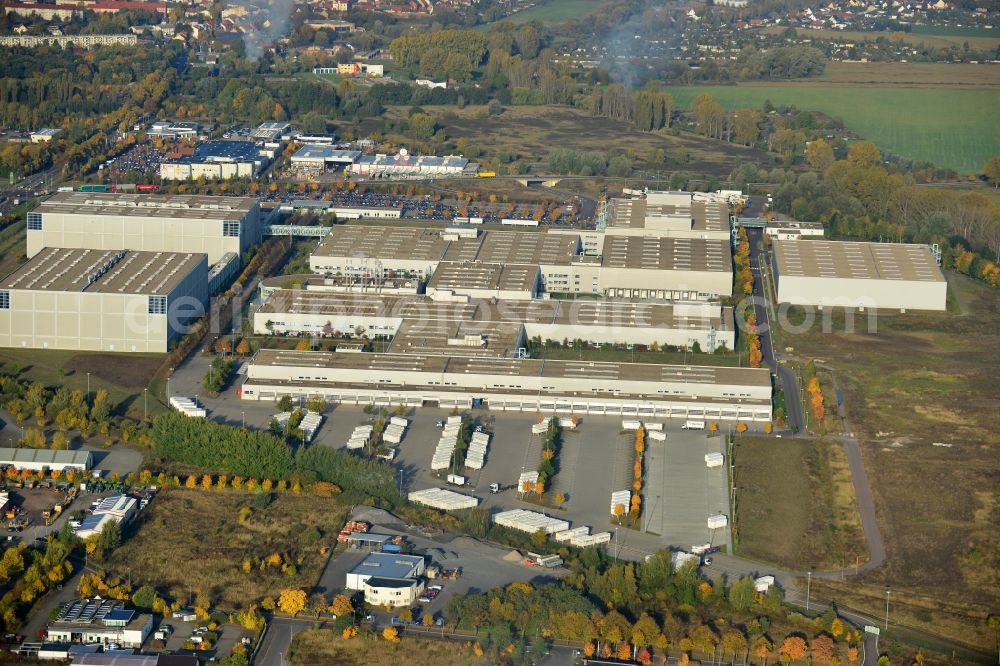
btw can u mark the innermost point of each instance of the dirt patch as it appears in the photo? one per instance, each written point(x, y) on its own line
point(325, 646)
point(534, 132)
point(195, 540)
point(124, 370)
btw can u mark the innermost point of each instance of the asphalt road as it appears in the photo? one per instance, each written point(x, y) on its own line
point(789, 383)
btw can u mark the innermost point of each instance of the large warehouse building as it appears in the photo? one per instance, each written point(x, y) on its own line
point(638, 267)
point(846, 274)
point(217, 160)
point(336, 314)
point(148, 222)
point(512, 384)
point(672, 214)
point(102, 300)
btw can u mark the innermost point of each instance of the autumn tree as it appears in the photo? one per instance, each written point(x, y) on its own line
point(341, 605)
point(762, 649)
point(793, 648)
point(391, 634)
point(819, 155)
point(823, 650)
point(292, 600)
point(243, 348)
point(992, 171)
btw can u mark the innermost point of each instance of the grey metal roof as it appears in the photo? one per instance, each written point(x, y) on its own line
point(387, 565)
point(45, 456)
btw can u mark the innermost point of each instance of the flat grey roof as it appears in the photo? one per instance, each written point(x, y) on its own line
point(856, 260)
point(517, 367)
point(579, 312)
point(103, 271)
point(405, 243)
point(479, 275)
point(194, 207)
point(666, 254)
point(45, 456)
point(327, 153)
point(387, 565)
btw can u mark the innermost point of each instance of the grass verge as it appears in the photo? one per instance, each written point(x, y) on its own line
point(795, 504)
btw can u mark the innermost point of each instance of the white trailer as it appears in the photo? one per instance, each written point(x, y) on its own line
point(569, 535)
point(713, 459)
point(717, 521)
point(630, 424)
point(657, 436)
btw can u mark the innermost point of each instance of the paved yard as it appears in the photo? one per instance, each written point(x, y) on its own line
point(681, 492)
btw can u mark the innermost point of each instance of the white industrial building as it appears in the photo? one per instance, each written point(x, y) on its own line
point(217, 160)
point(793, 230)
point(513, 384)
point(386, 565)
point(45, 134)
point(670, 214)
point(46, 459)
point(102, 621)
point(847, 274)
point(339, 314)
point(102, 300)
point(150, 222)
point(620, 266)
point(318, 158)
point(404, 164)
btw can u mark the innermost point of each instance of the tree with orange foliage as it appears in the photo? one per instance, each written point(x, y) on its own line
point(391, 634)
point(303, 345)
point(624, 651)
point(619, 512)
point(823, 650)
point(793, 648)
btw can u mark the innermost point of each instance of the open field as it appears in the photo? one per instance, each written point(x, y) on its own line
point(938, 39)
point(556, 11)
point(193, 540)
point(907, 74)
point(534, 132)
point(922, 379)
point(122, 375)
point(918, 123)
point(794, 506)
point(956, 31)
point(324, 646)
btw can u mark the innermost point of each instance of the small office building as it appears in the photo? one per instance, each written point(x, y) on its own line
point(384, 566)
point(103, 621)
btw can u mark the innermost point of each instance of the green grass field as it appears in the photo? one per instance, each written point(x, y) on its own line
point(955, 31)
point(556, 11)
point(951, 128)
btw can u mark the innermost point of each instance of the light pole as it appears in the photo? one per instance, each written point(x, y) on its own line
point(886, 610)
point(88, 385)
point(809, 576)
point(243, 419)
point(168, 383)
point(145, 395)
point(616, 544)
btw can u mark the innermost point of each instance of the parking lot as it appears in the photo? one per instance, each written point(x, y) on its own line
point(483, 566)
point(681, 492)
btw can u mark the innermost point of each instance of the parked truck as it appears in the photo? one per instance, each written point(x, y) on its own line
point(693, 425)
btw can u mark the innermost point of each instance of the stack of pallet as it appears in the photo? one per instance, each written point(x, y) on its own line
point(350, 527)
point(395, 430)
point(446, 445)
point(360, 436)
point(476, 456)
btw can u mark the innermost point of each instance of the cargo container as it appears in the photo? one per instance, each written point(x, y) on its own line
point(93, 188)
point(456, 479)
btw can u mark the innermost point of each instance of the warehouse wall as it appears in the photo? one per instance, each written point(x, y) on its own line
point(868, 294)
point(153, 234)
